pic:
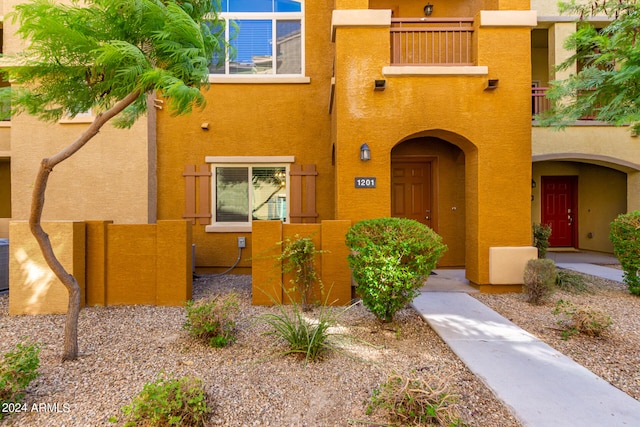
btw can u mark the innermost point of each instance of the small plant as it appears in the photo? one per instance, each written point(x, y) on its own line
point(391, 258)
point(625, 236)
point(583, 320)
point(539, 280)
point(570, 282)
point(414, 401)
point(17, 369)
point(168, 402)
point(298, 256)
point(541, 234)
point(213, 320)
point(305, 337)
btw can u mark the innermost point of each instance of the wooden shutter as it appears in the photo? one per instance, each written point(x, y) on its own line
point(198, 193)
point(303, 194)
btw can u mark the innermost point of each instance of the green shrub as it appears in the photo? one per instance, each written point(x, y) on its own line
point(169, 402)
point(584, 320)
point(391, 258)
point(304, 336)
point(541, 234)
point(414, 401)
point(298, 256)
point(213, 320)
point(625, 236)
point(539, 280)
point(570, 282)
point(17, 369)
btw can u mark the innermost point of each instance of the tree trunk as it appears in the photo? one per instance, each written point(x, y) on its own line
point(70, 351)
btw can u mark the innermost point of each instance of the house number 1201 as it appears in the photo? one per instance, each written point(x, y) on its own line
point(366, 182)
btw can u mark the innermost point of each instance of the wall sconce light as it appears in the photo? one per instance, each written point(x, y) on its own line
point(204, 126)
point(533, 183)
point(379, 84)
point(365, 152)
point(428, 9)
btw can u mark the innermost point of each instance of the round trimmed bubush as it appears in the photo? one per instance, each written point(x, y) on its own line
point(391, 258)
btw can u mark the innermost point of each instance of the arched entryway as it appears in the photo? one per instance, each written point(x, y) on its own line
point(579, 197)
point(428, 185)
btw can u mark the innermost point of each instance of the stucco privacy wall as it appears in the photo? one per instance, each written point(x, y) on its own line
point(492, 127)
point(124, 264)
point(271, 286)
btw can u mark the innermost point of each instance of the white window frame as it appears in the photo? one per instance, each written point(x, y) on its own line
point(265, 78)
point(245, 161)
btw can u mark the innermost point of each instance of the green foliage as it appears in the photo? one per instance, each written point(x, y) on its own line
point(610, 59)
point(541, 234)
point(625, 236)
point(391, 258)
point(570, 282)
point(213, 320)
point(583, 320)
point(91, 54)
point(304, 336)
point(539, 280)
point(298, 256)
point(169, 402)
point(415, 401)
point(17, 369)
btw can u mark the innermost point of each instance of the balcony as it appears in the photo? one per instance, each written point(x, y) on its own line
point(540, 103)
point(431, 41)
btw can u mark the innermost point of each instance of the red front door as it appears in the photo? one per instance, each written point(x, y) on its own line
point(411, 191)
point(559, 209)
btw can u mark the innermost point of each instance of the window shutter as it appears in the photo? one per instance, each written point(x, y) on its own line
point(303, 194)
point(197, 189)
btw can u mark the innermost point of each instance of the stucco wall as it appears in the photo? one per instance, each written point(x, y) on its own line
point(256, 119)
point(108, 178)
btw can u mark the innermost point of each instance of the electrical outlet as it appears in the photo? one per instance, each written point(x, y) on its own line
point(242, 243)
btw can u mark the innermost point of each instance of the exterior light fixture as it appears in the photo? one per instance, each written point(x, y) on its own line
point(365, 152)
point(379, 84)
point(533, 183)
point(492, 84)
point(428, 9)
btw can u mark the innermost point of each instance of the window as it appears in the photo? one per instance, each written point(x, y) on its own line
point(244, 192)
point(265, 38)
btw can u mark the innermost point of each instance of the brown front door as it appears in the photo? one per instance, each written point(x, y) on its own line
point(559, 209)
point(412, 190)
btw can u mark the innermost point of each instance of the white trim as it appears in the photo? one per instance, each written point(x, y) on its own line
point(230, 227)
point(436, 70)
point(258, 79)
point(250, 159)
point(359, 18)
point(508, 18)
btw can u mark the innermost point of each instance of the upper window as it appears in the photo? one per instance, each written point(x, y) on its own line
point(265, 38)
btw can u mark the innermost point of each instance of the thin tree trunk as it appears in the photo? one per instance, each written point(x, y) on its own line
point(70, 351)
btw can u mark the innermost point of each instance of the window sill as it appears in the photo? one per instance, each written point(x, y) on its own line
point(251, 79)
point(228, 228)
point(77, 120)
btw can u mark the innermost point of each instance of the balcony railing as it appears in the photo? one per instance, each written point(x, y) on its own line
point(431, 41)
point(540, 103)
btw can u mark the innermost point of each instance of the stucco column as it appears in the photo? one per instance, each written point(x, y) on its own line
point(633, 191)
point(558, 33)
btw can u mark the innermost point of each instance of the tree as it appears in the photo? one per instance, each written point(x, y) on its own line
point(105, 56)
point(607, 87)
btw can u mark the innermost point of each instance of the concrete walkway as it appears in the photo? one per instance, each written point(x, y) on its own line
point(541, 386)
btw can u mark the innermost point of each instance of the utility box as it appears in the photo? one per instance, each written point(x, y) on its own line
point(4, 264)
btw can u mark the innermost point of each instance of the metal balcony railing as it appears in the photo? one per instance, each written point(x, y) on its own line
point(431, 41)
point(540, 103)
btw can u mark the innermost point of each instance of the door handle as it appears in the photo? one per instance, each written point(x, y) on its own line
point(570, 220)
point(427, 217)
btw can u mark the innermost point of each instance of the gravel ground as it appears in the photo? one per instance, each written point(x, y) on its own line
point(614, 356)
point(250, 383)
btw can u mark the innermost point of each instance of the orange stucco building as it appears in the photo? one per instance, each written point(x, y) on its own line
point(441, 98)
